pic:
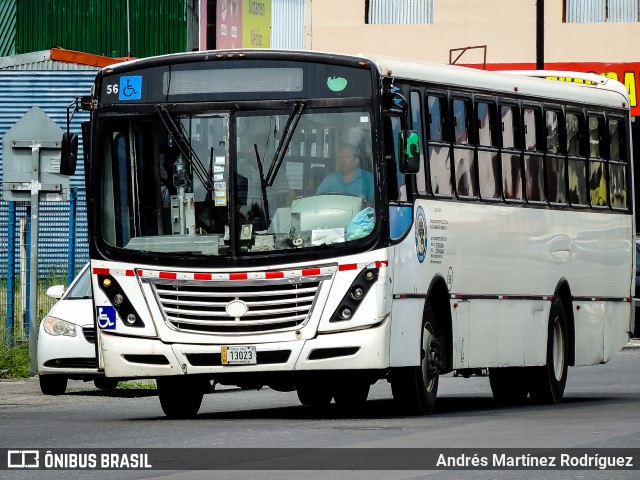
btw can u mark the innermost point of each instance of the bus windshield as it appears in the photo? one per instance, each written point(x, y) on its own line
point(216, 185)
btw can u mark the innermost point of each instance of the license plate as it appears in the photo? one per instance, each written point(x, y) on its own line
point(237, 355)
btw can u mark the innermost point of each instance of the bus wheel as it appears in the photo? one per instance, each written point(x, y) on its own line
point(509, 385)
point(106, 383)
point(314, 394)
point(415, 388)
point(352, 395)
point(548, 382)
point(180, 397)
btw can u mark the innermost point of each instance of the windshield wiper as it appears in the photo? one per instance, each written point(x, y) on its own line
point(285, 140)
point(185, 147)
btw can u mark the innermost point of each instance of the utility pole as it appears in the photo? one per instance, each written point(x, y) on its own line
point(540, 35)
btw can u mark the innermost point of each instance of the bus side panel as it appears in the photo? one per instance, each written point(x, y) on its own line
point(461, 333)
point(616, 331)
point(406, 323)
point(589, 325)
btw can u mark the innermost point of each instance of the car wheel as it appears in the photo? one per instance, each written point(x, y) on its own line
point(106, 383)
point(53, 384)
point(547, 383)
point(181, 397)
point(314, 395)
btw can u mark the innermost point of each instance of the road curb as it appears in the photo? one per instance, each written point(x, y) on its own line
point(633, 344)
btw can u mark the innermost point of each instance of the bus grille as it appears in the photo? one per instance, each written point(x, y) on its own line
point(202, 308)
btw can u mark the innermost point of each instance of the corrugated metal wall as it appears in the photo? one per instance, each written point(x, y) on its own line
point(287, 24)
point(7, 27)
point(100, 26)
point(407, 12)
point(583, 11)
point(52, 92)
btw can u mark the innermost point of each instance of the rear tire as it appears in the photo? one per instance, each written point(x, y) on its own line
point(415, 388)
point(548, 382)
point(181, 397)
point(106, 383)
point(314, 395)
point(509, 385)
point(53, 384)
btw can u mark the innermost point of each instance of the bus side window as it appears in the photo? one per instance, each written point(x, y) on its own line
point(511, 166)
point(416, 124)
point(617, 164)
point(438, 147)
point(396, 186)
point(463, 152)
point(555, 160)
point(488, 161)
point(576, 159)
point(533, 156)
point(597, 165)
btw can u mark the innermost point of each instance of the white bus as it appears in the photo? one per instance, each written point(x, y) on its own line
point(318, 222)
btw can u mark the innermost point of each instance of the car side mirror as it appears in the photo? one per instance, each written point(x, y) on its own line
point(55, 292)
point(409, 151)
point(69, 153)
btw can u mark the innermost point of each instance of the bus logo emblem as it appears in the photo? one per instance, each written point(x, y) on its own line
point(421, 234)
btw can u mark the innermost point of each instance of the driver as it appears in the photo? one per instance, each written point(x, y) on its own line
point(348, 178)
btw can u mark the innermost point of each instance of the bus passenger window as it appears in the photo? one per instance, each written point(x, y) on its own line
point(438, 147)
point(416, 124)
point(555, 161)
point(463, 156)
point(617, 165)
point(488, 160)
point(576, 164)
point(597, 165)
point(396, 186)
point(511, 169)
point(533, 158)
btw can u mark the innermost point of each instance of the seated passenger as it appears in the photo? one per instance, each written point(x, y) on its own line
point(348, 177)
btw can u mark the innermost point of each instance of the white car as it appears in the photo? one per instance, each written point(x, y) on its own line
point(66, 340)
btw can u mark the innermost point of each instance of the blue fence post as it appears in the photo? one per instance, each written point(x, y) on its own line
point(71, 254)
point(11, 271)
point(28, 249)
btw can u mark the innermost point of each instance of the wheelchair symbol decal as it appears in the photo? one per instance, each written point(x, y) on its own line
point(130, 88)
point(106, 318)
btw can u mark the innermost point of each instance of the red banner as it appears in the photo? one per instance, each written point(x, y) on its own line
point(626, 73)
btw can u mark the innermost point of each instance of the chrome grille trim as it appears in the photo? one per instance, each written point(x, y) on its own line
point(273, 305)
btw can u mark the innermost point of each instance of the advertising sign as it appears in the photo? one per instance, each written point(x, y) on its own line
point(229, 24)
point(243, 24)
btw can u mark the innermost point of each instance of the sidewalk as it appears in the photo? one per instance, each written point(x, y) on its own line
point(633, 343)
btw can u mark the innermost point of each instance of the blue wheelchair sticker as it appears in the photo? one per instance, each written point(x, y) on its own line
point(106, 318)
point(130, 88)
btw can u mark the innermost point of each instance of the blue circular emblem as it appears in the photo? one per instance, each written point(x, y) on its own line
point(421, 234)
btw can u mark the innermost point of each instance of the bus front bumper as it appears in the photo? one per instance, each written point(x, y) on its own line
point(148, 357)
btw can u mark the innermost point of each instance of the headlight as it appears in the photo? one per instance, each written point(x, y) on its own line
point(57, 326)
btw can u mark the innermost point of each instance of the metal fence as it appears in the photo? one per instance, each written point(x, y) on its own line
point(61, 254)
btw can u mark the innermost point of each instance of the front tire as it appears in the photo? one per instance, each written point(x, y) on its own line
point(181, 397)
point(548, 382)
point(415, 388)
point(53, 384)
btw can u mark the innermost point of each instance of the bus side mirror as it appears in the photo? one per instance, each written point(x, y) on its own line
point(409, 151)
point(69, 153)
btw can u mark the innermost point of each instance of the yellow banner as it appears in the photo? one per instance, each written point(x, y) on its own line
point(256, 23)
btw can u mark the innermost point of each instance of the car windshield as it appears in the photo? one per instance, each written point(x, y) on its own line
point(222, 182)
point(81, 288)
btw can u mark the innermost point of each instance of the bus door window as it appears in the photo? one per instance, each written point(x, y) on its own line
point(396, 184)
point(511, 157)
point(597, 164)
point(556, 186)
point(463, 152)
point(416, 124)
point(488, 160)
point(116, 195)
point(576, 159)
point(617, 164)
point(533, 156)
point(438, 148)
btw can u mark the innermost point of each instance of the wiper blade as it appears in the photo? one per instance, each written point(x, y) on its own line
point(285, 140)
point(185, 147)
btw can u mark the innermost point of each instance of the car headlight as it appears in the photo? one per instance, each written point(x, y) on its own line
point(57, 326)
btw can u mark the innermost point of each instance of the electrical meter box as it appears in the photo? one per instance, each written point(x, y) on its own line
point(31, 159)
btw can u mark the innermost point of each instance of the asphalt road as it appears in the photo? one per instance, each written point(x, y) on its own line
point(601, 410)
